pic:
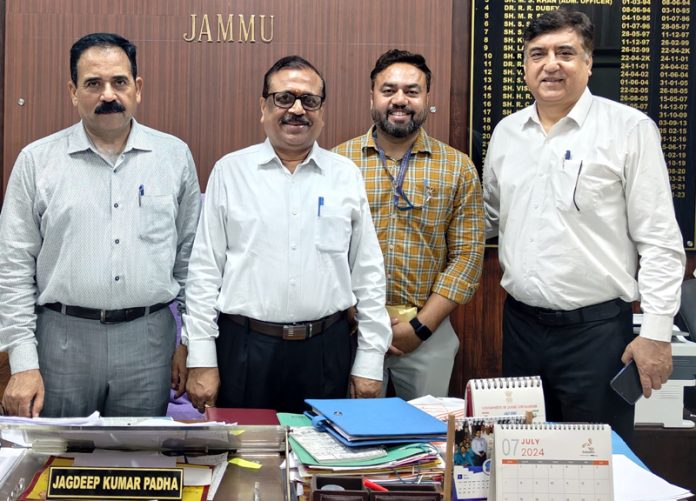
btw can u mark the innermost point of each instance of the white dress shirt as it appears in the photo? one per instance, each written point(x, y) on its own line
point(77, 230)
point(286, 247)
point(575, 209)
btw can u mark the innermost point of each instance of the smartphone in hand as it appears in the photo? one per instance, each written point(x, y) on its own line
point(627, 383)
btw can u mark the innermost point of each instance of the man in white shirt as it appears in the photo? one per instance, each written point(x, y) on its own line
point(577, 189)
point(284, 247)
point(95, 235)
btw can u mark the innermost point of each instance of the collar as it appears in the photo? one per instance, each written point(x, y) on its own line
point(78, 140)
point(577, 114)
point(269, 156)
point(421, 144)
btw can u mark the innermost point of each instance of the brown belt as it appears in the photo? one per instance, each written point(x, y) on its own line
point(291, 332)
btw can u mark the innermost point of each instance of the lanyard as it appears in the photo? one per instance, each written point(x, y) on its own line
point(398, 183)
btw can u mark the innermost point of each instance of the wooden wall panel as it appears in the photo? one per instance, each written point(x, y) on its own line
point(207, 92)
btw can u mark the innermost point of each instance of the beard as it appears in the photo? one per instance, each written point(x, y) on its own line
point(398, 130)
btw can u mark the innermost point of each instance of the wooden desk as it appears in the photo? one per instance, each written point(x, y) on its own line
point(238, 482)
point(668, 452)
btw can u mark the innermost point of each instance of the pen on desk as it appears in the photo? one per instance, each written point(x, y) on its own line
point(257, 491)
point(374, 486)
point(141, 193)
point(320, 202)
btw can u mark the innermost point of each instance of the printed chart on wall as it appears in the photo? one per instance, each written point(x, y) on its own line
point(644, 57)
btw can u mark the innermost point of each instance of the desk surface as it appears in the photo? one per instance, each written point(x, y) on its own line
point(238, 482)
point(668, 452)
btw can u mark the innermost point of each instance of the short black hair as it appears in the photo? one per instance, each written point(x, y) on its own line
point(394, 56)
point(292, 62)
point(559, 19)
point(101, 40)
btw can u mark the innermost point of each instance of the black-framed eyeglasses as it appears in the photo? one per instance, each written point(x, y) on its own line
point(286, 100)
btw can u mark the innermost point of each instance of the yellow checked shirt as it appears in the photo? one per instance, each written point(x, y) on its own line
point(437, 245)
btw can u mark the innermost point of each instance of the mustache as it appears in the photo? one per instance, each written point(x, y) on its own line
point(109, 107)
point(290, 119)
point(404, 108)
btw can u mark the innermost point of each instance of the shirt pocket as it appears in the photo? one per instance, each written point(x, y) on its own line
point(333, 230)
point(564, 182)
point(596, 183)
point(157, 222)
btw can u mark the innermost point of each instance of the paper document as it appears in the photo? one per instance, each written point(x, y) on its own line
point(93, 419)
point(324, 448)
point(633, 483)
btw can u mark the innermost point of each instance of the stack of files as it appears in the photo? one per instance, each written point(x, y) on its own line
point(404, 462)
point(375, 421)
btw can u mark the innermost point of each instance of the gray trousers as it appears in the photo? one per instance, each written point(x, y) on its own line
point(427, 370)
point(118, 369)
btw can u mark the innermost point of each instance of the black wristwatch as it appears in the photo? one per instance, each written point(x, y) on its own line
point(422, 331)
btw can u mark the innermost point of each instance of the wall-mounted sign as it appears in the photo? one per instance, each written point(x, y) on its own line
point(230, 28)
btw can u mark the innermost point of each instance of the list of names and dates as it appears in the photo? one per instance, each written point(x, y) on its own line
point(644, 57)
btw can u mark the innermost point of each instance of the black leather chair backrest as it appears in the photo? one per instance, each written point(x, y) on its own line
point(687, 311)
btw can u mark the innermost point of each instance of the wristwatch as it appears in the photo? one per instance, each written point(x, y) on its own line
point(422, 331)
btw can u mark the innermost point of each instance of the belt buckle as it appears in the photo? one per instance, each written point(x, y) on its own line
point(105, 319)
point(295, 332)
point(102, 317)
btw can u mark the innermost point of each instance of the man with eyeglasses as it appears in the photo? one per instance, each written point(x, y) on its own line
point(426, 202)
point(577, 189)
point(285, 247)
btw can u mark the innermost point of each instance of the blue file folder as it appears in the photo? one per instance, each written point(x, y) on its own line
point(370, 421)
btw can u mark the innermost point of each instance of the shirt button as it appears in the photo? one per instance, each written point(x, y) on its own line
point(117, 241)
point(389, 276)
point(293, 246)
point(117, 278)
point(391, 246)
point(116, 205)
point(393, 216)
point(294, 213)
point(292, 283)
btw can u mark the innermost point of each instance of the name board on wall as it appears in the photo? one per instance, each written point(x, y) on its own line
point(644, 57)
point(230, 28)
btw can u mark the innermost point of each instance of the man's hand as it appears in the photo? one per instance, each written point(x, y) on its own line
point(24, 395)
point(654, 362)
point(179, 370)
point(404, 339)
point(202, 386)
point(361, 387)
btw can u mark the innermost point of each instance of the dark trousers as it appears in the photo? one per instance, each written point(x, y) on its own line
point(576, 361)
point(261, 371)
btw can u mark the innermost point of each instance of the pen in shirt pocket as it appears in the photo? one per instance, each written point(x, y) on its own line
point(141, 193)
point(320, 202)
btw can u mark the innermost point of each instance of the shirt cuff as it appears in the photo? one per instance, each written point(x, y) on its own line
point(24, 357)
point(368, 364)
point(657, 327)
point(201, 353)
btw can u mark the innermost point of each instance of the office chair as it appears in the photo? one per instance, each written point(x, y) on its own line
point(686, 318)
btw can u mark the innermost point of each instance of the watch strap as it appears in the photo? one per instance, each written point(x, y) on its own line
point(421, 330)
